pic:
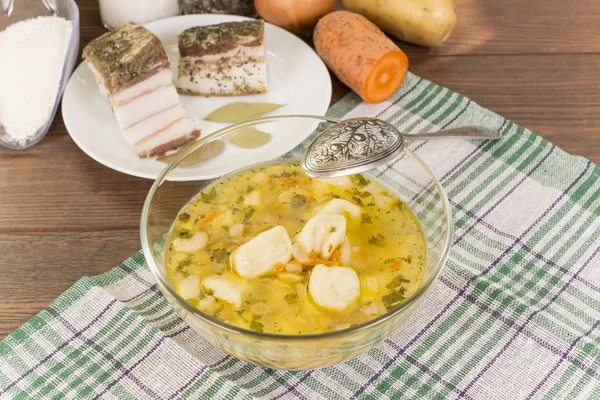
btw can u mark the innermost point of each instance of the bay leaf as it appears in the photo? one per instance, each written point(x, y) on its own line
point(205, 152)
point(248, 138)
point(241, 111)
point(179, 150)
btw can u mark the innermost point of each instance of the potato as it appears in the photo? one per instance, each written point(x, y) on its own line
point(424, 22)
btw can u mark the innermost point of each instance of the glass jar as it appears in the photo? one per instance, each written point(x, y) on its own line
point(235, 7)
point(115, 13)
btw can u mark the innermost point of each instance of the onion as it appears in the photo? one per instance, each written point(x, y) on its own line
point(294, 15)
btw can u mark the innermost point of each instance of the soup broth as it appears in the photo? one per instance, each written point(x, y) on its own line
point(272, 250)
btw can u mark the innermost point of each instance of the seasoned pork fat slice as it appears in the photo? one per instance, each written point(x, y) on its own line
point(153, 125)
point(134, 72)
point(173, 136)
point(227, 59)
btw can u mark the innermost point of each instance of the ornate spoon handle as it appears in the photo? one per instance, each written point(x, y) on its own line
point(467, 132)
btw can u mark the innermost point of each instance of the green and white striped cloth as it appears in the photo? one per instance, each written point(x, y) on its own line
point(515, 314)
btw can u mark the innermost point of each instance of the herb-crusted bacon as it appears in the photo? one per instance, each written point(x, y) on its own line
point(134, 72)
point(126, 57)
point(227, 59)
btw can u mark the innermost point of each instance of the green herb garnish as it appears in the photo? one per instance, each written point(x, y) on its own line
point(219, 255)
point(365, 194)
point(184, 234)
point(378, 240)
point(401, 206)
point(393, 299)
point(359, 180)
point(298, 201)
point(407, 259)
point(255, 325)
point(396, 283)
point(366, 219)
point(284, 174)
point(218, 311)
point(248, 215)
point(240, 313)
point(184, 217)
point(291, 298)
point(182, 266)
point(208, 197)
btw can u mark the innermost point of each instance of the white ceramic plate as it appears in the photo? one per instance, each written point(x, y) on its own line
point(296, 77)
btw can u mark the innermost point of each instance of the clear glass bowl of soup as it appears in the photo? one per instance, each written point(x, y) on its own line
point(286, 271)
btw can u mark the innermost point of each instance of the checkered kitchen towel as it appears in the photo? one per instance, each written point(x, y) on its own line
point(515, 314)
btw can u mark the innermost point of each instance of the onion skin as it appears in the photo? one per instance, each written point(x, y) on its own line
point(296, 16)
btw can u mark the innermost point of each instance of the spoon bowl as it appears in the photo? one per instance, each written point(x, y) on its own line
point(357, 145)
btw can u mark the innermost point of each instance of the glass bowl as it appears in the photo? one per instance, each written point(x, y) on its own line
point(410, 179)
point(26, 9)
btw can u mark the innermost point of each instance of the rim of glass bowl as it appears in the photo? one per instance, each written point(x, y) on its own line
point(155, 270)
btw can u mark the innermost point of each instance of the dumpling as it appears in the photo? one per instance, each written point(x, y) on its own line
point(259, 256)
point(225, 288)
point(193, 244)
point(189, 288)
point(339, 206)
point(334, 288)
point(322, 234)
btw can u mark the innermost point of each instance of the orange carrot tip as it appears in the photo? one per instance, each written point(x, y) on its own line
point(360, 55)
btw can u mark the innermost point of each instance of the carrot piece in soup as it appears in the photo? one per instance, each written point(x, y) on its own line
point(279, 267)
point(361, 55)
point(208, 219)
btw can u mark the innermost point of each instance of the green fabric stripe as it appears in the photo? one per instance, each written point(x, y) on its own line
point(582, 380)
point(503, 147)
point(441, 105)
point(483, 153)
point(194, 389)
point(421, 100)
point(456, 316)
point(460, 100)
point(490, 299)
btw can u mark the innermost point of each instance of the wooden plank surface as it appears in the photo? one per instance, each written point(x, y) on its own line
point(524, 27)
point(38, 266)
point(65, 216)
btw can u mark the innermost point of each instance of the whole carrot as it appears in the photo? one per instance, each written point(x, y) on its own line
point(360, 55)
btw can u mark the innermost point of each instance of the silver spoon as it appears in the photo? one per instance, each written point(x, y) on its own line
point(360, 144)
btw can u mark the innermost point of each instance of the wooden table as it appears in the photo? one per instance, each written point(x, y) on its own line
point(64, 216)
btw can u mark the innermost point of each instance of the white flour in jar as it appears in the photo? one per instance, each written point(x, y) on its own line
point(32, 53)
point(115, 13)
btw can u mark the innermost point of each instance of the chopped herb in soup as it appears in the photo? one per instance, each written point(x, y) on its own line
point(272, 250)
